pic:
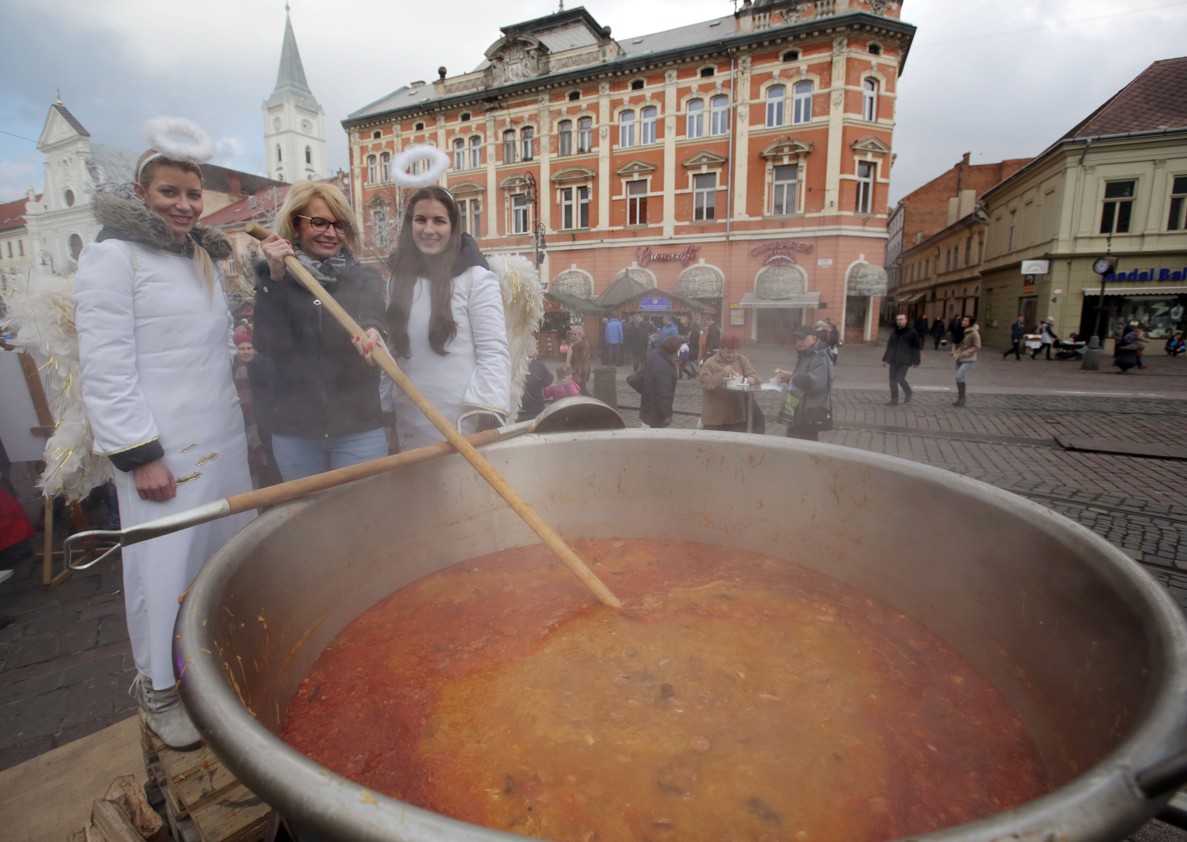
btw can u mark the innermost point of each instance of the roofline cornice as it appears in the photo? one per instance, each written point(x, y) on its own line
point(491, 96)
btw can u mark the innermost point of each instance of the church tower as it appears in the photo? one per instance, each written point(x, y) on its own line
point(294, 135)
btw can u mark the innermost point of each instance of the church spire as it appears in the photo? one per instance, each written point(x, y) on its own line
point(290, 78)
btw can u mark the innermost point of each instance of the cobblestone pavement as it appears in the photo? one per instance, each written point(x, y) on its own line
point(65, 662)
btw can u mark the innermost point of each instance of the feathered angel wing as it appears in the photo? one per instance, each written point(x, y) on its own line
point(41, 314)
point(523, 306)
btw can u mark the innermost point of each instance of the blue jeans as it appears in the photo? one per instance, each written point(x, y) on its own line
point(304, 456)
point(962, 369)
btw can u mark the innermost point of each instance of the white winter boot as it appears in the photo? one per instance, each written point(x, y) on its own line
point(165, 714)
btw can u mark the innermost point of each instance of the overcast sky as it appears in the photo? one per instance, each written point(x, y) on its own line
point(994, 78)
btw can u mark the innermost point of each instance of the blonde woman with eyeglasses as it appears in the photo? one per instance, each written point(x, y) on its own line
point(322, 400)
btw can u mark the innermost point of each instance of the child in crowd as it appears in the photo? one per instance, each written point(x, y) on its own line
point(565, 387)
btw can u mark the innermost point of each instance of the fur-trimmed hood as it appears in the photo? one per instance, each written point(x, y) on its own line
point(130, 219)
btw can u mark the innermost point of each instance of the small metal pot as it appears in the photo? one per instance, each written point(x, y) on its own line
point(1090, 651)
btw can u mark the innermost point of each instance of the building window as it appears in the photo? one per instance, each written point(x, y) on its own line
point(465, 117)
point(865, 187)
point(802, 103)
point(1117, 213)
point(574, 207)
point(791, 55)
point(636, 202)
point(381, 227)
point(626, 128)
point(529, 143)
point(372, 169)
point(459, 154)
point(647, 124)
point(775, 95)
point(875, 49)
point(1177, 220)
point(704, 197)
point(707, 72)
point(475, 152)
point(785, 190)
point(564, 137)
point(308, 155)
point(585, 134)
point(385, 167)
point(519, 213)
point(419, 127)
point(1010, 230)
point(574, 96)
point(279, 154)
point(695, 123)
point(375, 135)
point(719, 115)
point(20, 247)
point(509, 146)
point(869, 100)
point(470, 212)
point(9, 244)
point(75, 246)
point(636, 84)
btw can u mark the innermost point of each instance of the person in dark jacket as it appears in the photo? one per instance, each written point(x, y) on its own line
point(537, 379)
point(711, 340)
point(636, 336)
point(812, 380)
point(659, 384)
point(902, 352)
point(937, 332)
point(1017, 331)
point(921, 328)
point(324, 409)
point(956, 329)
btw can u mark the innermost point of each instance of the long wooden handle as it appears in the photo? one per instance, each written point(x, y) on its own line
point(386, 362)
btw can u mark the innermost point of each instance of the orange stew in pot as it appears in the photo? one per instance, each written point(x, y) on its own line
point(736, 697)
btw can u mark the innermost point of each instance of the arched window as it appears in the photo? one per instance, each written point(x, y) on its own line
point(647, 122)
point(695, 121)
point(585, 134)
point(459, 154)
point(75, 246)
point(775, 95)
point(509, 146)
point(719, 115)
point(636, 84)
point(564, 137)
point(308, 154)
point(372, 170)
point(279, 156)
point(626, 128)
point(475, 152)
point(875, 49)
point(385, 167)
point(869, 100)
point(802, 102)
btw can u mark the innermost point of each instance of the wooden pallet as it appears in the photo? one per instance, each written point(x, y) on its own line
point(203, 802)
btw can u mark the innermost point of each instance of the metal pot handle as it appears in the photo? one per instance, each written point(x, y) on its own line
point(1164, 776)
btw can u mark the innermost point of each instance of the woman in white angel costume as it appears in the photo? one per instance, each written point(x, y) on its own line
point(446, 323)
point(155, 340)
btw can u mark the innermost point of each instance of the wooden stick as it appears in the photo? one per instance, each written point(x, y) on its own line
point(386, 362)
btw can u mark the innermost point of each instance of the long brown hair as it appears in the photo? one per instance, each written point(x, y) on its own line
point(410, 263)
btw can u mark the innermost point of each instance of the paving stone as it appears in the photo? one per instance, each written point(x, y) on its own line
point(99, 668)
point(28, 718)
point(33, 649)
point(90, 700)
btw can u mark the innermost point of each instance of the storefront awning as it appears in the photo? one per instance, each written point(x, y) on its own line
point(1138, 291)
point(804, 301)
point(907, 299)
point(574, 304)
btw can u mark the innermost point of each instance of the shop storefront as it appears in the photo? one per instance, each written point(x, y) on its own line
point(1163, 310)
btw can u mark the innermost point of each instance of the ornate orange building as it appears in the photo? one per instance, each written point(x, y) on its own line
point(742, 162)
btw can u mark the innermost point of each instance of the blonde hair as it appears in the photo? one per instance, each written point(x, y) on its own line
point(299, 197)
point(146, 166)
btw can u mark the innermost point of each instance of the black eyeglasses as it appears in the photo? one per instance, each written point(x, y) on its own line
point(318, 224)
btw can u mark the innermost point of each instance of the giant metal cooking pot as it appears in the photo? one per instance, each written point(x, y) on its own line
point(1090, 651)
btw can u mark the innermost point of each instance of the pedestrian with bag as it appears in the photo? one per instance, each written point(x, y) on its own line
point(1017, 332)
point(1047, 337)
point(965, 355)
point(902, 353)
point(808, 401)
point(659, 384)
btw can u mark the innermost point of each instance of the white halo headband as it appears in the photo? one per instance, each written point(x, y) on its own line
point(437, 160)
point(177, 139)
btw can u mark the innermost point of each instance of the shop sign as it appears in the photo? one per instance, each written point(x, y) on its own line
point(780, 251)
point(655, 302)
point(644, 256)
point(1150, 274)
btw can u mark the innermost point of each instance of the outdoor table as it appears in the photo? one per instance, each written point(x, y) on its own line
point(741, 386)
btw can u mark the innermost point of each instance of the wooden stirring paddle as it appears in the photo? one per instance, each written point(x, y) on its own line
point(388, 364)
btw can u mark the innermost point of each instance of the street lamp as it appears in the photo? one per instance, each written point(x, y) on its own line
point(1103, 266)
